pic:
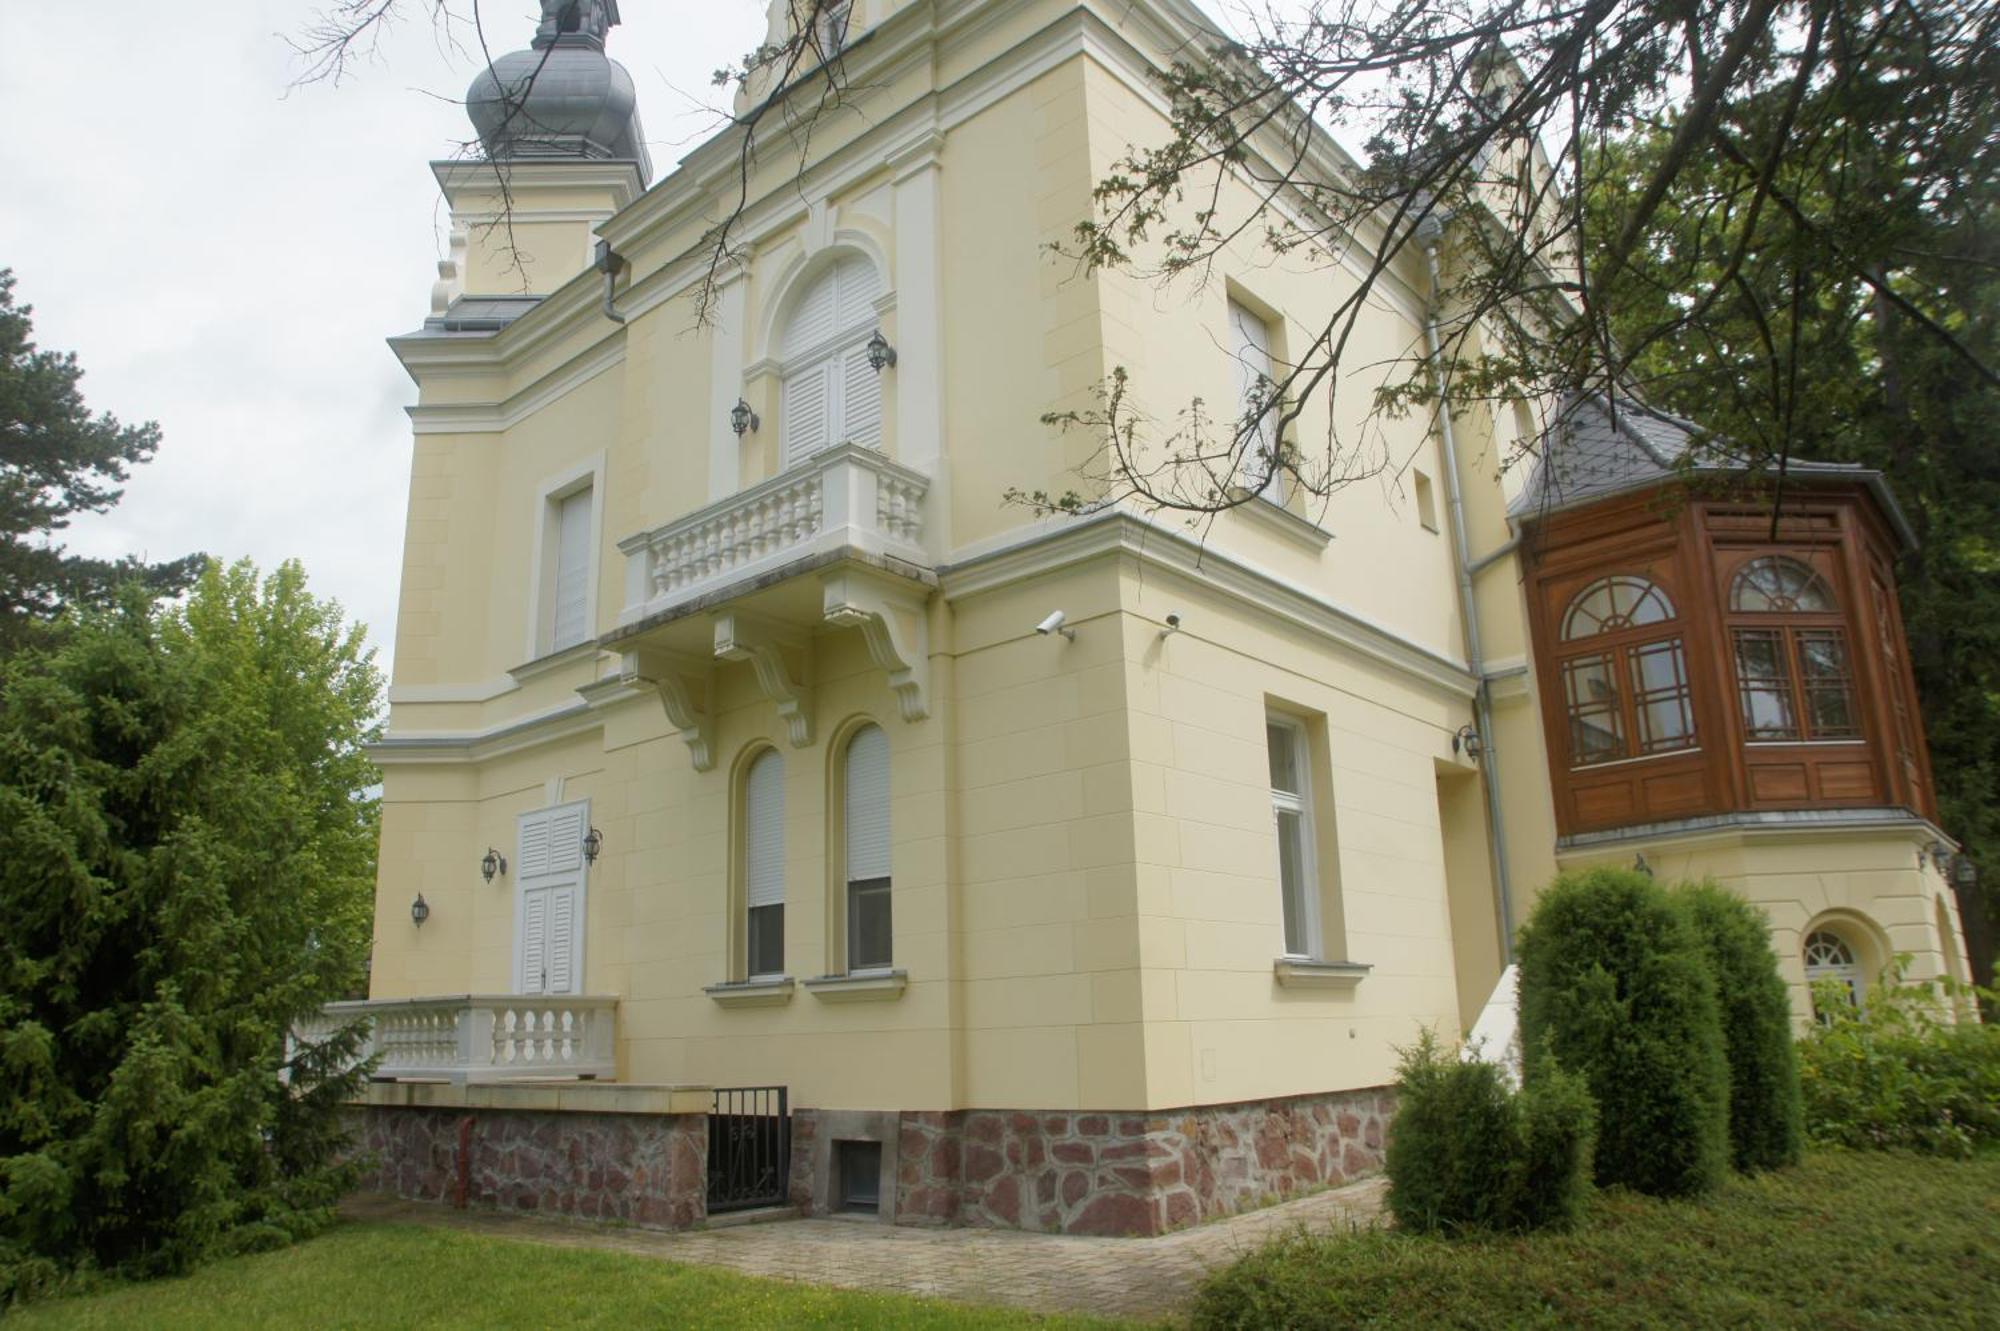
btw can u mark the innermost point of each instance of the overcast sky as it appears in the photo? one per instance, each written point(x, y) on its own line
point(226, 253)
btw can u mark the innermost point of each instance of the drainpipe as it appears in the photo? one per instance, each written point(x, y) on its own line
point(610, 263)
point(1430, 231)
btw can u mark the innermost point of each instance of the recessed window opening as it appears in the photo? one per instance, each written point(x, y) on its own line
point(1828, 957)
point(830, 28)
point(567, 536)
point(831, 395)
point(1794, 682)
point(1625, 681)
point(1257, 402)
point(870, 936)
point(859, 1165)
point(764, 866)
point(1291, 809)
point(1426, 503)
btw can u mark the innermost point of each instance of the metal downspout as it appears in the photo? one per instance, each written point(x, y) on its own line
point(1482, 703)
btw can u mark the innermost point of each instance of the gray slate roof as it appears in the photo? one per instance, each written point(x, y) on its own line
point(1592, 451)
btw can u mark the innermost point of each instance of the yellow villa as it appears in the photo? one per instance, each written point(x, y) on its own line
point(774, 814)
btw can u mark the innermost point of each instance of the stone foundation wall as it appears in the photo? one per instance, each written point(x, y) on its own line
point(1080, 1172)
point(641, 1169)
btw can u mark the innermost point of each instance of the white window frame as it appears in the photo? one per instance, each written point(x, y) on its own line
point(524, 883)
point(1298, 802)
point(1244, 353)
point(542, 571)
point(1848, 972)
point(848, 881)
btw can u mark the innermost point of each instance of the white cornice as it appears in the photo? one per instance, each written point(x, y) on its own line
point(459, 746)
point(1065, 543)
point(477, 417)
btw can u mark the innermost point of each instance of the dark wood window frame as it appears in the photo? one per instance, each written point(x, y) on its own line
point(1791, 657)
point(1610, 661)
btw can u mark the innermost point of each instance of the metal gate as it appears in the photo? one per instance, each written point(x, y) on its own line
point(749, 1148)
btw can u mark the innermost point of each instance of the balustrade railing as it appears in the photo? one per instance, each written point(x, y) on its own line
point(480, 1038)
point(849, 496)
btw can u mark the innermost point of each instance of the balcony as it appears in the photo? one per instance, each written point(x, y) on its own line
point(846, 502)
point(475, 1038)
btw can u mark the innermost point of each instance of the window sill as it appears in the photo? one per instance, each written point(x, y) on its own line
point(542, 665)
point(860, 987)
point(1301, 973)
point(1276, 518)
point(764, 991)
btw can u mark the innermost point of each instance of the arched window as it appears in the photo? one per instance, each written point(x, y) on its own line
point(1625, 681)
point(831, 394)
point(1793, 679)
point(870, 938)
point(1828, 957)
point(764, 866)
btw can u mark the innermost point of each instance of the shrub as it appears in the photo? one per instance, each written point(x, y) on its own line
point(1468, 1153)
point(1895, 1074)
point(1616, 988)
point(1766, 1127)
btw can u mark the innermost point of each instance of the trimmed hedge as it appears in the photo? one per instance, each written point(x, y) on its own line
point(1616, 987)
point(1766, 1117)
point(1468, 1153)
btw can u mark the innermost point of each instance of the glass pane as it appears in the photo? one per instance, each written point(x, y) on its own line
point(1292, 881)
point(868, 929)
point(1596, 725)
point(1659, 678)
point(1283, 742)
point(1830, 713)
point(1760, 656)
point(1778, 585)
point(767, 940)
point(1822, 656)
point(1616, 603)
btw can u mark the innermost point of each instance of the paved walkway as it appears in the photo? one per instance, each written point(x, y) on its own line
point(1144, 1278)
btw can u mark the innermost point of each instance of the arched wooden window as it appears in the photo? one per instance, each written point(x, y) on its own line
point(1828, 957)
point(831, 394)
point(764, 866)
point(870, 937)
point(1624, 674)
point(1794, 681)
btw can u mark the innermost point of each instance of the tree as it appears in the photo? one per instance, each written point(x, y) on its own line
point(56, 461)
point(186, 869)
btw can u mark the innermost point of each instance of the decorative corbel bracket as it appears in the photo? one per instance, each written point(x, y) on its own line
point(893, 623)
point(674, 677)
point(741, 637)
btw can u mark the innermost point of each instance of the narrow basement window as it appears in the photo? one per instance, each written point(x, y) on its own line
point(860, 1169)
point(1427, 511)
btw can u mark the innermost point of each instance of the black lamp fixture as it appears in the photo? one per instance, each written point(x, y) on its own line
point(494, 863)
point(1964, 873)
point(1468, 742)
point(742, 420)
point(880, 354)
point(1639, 863)
point(593, 841)
point(420, 910)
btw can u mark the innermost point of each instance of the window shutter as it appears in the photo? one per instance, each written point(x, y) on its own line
point(562, 940)
point(551, 841)
point(868, 805)
point(813, 319)
point(764, 832)
point(807, 413)
point(861, 400)
point(569, 623)
point(858, 284)
point(534, 940)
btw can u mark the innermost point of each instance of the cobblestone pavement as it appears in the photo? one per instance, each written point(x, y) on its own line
point(1141, 1278)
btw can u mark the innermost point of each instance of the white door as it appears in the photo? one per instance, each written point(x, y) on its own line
point(548, 933)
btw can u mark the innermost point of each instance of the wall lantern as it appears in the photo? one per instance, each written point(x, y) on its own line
point(1639, 863)
point(420, 910)
point(593, 842)
point(1468, 742)
point(1941, 856)
point(494, 863)
point(742, 420)
point(880, 354)
point(1964, 873)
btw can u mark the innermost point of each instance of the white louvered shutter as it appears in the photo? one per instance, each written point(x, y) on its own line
point(816, 316)
point(570, 621)
point(563, 924)
point(1251, 338)
point(534, 939)
point(868, 805)
point(764, 832)
point(807, 412)
point(860, 400)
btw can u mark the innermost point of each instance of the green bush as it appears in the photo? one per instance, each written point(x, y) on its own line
point(1468, 1153)
point(1616, 987)
point(1766, 1124)
point(1896, 1074)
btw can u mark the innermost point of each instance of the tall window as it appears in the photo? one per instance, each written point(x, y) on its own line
point(830, 27)
point(870, 940)
point(1291, 808)
point(1256, 399)
point(831, 394)
point(1793, 678)
point(764, 866)
point(1624, 673)
point(566, 542)
point(1828, 957)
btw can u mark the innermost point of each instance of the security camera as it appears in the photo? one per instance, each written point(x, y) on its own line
point(1173, 623)
point(1054, 624)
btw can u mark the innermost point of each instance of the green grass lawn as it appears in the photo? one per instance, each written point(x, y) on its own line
point(1843, 1241)
point(385, 1276)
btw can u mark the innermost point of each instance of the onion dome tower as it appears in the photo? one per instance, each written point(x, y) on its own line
point(563, 97)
